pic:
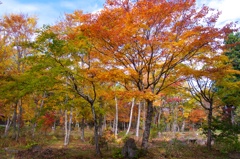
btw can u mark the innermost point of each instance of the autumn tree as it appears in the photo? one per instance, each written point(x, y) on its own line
point(15, 31)
point(148, 40)
point(206, 74)
point(229, 87)
point(64, 52)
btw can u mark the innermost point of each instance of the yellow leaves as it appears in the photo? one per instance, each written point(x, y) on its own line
point(186, 115)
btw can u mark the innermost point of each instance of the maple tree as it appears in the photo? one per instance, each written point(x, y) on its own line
point(148, 40)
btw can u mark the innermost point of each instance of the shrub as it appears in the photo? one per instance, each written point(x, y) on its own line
point(226, 135)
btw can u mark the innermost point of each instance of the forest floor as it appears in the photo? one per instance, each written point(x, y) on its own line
point(51, 147)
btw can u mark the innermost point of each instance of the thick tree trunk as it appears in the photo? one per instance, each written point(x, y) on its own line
point(209, 135)
point(116, 118)
point(130, 118)
point(96, 136)
point(148, 121)
point(138, 119)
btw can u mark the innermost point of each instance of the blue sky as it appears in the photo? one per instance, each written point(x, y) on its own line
point(49, 11)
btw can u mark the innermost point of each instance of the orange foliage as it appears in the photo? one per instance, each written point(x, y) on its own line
point(197, 115)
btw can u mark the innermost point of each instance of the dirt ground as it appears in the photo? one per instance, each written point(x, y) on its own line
point(157, 150)
point(164, 147)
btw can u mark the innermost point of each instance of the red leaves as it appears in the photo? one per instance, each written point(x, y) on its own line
point(47, 120)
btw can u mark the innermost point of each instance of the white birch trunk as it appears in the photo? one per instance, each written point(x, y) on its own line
point(66, 128)
point(116, 119)
point(138, 119)
point(8, 124)
point(130, 119)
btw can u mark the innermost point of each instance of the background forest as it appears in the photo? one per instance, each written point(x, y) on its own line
point(149, 70)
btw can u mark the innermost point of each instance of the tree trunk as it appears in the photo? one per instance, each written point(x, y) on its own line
point(175, 115)
point(138, 119)
point(15, 121)
point(69, 125)
point(148, 121)
point(19, 118)
point(96, 136)
point(209, 135)
point(144, 114)
point(104, 122)
point(130, 118)
point(183, 126)
point(116, 118)
point(8, 124)
point(66, 128)
point(54, 126)
point(159, 122)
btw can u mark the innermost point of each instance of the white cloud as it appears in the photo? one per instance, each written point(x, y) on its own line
point(229, 8)
point(45, 13)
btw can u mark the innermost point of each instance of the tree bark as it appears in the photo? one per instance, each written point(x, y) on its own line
point(144, 115)
point(209, 137)
point(148, 121)
point(66, 128)
point(82, 130)
point(70, 124)
point(19, 119)
point(116, 118)
point(183, 126)
point(8, 124)
point(96, 136)
point(15, 121)
point(130, 118)
point(138, 119)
